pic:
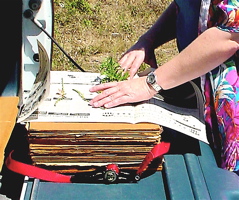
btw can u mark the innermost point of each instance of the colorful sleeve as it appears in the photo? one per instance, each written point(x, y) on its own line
point(229, 15)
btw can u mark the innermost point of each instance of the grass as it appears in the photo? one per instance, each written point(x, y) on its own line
point(91, 31)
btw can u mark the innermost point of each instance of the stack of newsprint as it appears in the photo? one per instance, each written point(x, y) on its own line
point(65, 132)
point(75, 147)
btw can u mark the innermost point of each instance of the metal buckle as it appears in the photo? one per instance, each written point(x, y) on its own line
point(108, 174)
point(111, 173)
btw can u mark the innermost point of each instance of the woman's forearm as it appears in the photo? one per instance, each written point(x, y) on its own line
point(209, 50)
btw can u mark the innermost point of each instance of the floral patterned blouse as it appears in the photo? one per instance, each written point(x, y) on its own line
point(221, 85)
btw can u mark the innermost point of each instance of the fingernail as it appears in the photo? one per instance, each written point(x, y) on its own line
point(95, 104)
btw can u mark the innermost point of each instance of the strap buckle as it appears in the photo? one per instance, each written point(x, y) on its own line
point(108, 174)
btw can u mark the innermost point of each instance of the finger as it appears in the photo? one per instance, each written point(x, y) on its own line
point(112, 100)
point(132, 72)
point(105, 97)
point(122, 59)
point(103, 86)
point(102, 102)
point(117, 101)
point(127, 61)
point(135, 66)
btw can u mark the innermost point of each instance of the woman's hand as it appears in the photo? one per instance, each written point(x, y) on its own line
point(116, 93)
point(141, 52)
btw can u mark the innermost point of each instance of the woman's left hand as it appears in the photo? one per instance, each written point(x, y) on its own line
point(117, 93)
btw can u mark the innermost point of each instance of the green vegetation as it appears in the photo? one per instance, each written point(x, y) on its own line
point(91, 31)
point(112, 71)
point(80, 94)
point(61, 93)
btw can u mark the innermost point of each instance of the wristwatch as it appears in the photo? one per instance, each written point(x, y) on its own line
point(151, 81)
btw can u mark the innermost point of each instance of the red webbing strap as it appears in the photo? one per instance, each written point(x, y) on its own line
point(47, 175)
point(35, 172)
point(158, 150)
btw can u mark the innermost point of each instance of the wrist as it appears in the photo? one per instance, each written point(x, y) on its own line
point(152, 82)
point(152, 92)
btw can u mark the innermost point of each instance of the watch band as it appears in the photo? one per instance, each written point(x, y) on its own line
point(156, 87)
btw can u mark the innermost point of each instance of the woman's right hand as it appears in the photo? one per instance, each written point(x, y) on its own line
point(136, 55)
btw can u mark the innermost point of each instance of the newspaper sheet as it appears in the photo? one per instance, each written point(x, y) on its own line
point(68, 102)
point(40, 88)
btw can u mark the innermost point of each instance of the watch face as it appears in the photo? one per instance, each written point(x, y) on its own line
point(151, 78)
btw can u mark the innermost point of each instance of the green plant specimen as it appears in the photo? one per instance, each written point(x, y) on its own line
point(112, 71)
point(80, 94)
point(61, 93)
